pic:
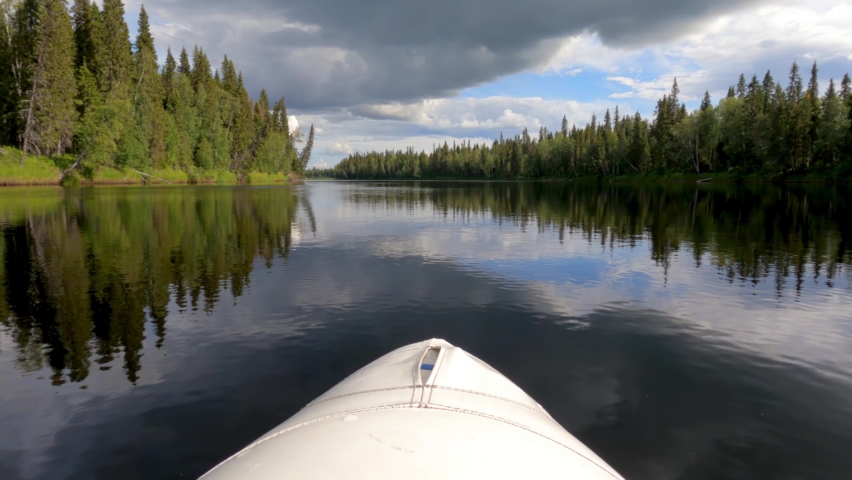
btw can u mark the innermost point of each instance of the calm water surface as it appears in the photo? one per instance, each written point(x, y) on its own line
point(680, 332)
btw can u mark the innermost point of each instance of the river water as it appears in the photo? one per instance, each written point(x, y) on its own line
point(681, 332)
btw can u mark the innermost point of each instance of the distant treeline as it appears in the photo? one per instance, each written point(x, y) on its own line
point(71, 83)
point(760, 127)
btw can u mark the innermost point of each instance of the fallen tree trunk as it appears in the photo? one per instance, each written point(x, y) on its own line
point(73, 166)
point(155, 178)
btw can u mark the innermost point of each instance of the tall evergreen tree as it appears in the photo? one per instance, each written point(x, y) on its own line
point(87, 32)
point(55, 87)
point(741, 87)
point(833, 126)
point(798, 118)
point(705, 102)
point(148, 143)
point(20, 32)
point(8, 91)
point(184, 67)
point(812, 108)
point(168, 75)
point(845, 88)
point(115, 57)
point(200, 74)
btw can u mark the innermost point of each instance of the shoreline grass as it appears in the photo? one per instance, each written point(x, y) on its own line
point(44, 171)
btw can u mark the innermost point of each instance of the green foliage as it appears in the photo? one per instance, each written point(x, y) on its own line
point(760, 128)
point(274, 155)
point(54, 101)
point(106, 100)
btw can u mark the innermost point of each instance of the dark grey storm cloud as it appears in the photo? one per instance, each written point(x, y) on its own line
point(331, 53)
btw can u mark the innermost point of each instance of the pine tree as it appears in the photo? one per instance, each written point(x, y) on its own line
point(564, 126)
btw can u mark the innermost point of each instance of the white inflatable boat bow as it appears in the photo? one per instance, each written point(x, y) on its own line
point(425, 411)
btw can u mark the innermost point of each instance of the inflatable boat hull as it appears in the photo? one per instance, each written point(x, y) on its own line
point(424, 411)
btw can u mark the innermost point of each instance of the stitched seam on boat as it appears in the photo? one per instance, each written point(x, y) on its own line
point(524, 427)
point(489, 396)
point(357, 393)
point(473, 392)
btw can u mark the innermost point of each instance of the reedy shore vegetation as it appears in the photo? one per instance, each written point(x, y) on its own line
point(80, 102)
point(762, 129)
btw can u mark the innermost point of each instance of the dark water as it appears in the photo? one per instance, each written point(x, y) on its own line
point(680, 332)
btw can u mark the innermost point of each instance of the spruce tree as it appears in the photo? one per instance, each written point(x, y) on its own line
point(150, 120)
point(56, 89)
point(832, 127)
point(115, 57)
point(87, 32)
point(768, 86)
point(24, 43)
point(564, 126)
point(200, 74)
point(305, 157)
point(168, 76)
point(705, 102)
point(741, 87)
point(184, 67)
point(639, 151)
point(845, 88)
point(798, 117)
point(262, 107)
point(8, 95)
point(20, 30)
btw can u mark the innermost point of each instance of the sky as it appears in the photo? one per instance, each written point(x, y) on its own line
point(392, 74)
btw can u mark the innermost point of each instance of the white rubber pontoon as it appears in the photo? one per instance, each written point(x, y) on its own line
point(425, 411)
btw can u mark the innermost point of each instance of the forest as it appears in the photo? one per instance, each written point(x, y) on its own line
point(74, 89)
point(761, 128)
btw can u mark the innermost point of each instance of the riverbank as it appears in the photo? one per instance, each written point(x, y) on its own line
point(38, 170)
